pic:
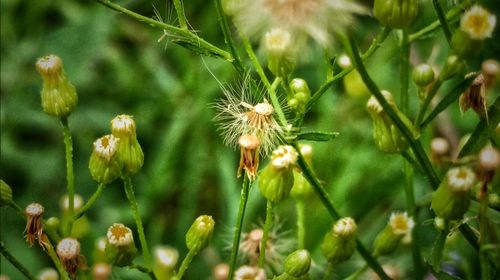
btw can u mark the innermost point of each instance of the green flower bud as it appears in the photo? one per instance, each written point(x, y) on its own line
point(386, 135)
point(389, 238)
point(165, 261)
point(423, 75)
point(298, 263)
point(104, 165)
point(280, 55)
point(452, 198)
point(200, 233)
point(339, 244)
point(129, 152)
point(452, 67)
point(299, 85)
point(276, 180)
point(464, 46)
point(52, 224)
point(395, 13)
point(59, 97)
point(5, 194)
point(120, 249)
point(300, 95)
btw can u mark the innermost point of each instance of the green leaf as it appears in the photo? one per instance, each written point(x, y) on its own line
point(449, 98)
point(318, 136)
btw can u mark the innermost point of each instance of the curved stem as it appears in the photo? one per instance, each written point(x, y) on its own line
point(179, 9)
point(70, 178)
point(129, 191)
point(90, 202)
point(265, 236)
point(301, 219)
point(442, 19)
point(239, 223)
point(228, 39)
point(17, 264)
point(185, 264)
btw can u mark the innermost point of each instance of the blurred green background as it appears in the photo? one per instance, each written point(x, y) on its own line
point(118, 67)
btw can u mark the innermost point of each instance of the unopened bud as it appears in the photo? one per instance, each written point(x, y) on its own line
point(339, 244)
point(5, 194)
point(395, 13)
point(276, 180)
point(423, 75)
point(200, 233)
point(298, 263)
point(129, 151)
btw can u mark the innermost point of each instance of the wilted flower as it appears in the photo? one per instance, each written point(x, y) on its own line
point(317, 19)
point(68, 250)
point(249, 156)
point(34, 228)
point(475, 97)
point(478, 23)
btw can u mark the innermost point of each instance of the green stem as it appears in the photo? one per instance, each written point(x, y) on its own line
point(185, 264)
point(427, 101)
point(179, 9)
point(442, 20)
point(172, 30)
point(18, 209)
point(228, 39)
point(483, 232)
point(301, 221)
point(90, 202)
point(129, 191)
point(239, 223)
point(437, 250)
point(404, 70)
point(55, 259)
point(144, 269)
point(357, 274)
point(328, 204)
point(70, 178)
point(15, 262)
point(377, 42)
point(267, 84)
point(265, 236)
point(412, 162)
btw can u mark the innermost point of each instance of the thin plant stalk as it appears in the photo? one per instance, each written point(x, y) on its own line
point(228, 39)
point(442, 19)
point(301, 219)
point(143, 269)
point(427, 101)
point(179, 9)
point(55, 259)
point(17, 264)
point(185, 264)
point(265, 236)
point(129, 191)
point(90, 202)
point(328, 204)
point(238, 227)
point(70, 178)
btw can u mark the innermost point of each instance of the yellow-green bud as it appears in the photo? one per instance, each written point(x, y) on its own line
point(339, 244)
point(165, 261)
point(423, 75)
point(130, 155)
point(452, 198)
point(104, 165)
point(280, 56)
point(385, 133)
point(298, 263)
point(120, 248)
point(52, 224)
point(200, 233)
point(276, 180)
point(59, 97)
point(300, 95)
point(452, 67)
point(5, 194)
point(395, 13)
point(389, 238)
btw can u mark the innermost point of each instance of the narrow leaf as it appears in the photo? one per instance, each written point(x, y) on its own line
point(318, 136)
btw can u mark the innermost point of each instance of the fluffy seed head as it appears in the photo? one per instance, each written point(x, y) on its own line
point(461, 179)
point(400, 223)
point(106, 146)
point(345, 227)
point(68, 248)
point(478, 23)
point(120, 235)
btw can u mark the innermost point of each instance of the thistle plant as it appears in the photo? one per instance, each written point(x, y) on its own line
point(256, 110)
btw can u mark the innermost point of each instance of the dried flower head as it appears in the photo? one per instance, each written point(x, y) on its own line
point(34, 228)
point(68, 250)
point(475, 97)
point(277, 246)
point(478, 23)
point(239, 114)
point(249, 155)
point(120, 235)
point(284, 157)
point(249, 273)
point(317, 19)
point(400, 223)
point(461, 179)
point(101, 271)
point(106, 146)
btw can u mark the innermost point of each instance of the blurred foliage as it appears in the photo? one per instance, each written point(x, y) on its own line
point(118, 67)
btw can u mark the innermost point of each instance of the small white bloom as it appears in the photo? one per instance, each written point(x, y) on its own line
point(478, 23)
point(278, 41)
point(400, 223)
point(120, 235)
point(345, 227)
point(284, 156)
point(106, 146)
point(461, 178)
point(249, 273)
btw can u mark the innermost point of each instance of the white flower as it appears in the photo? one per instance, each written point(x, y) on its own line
point(106, 146)
point(461, 178)
point(317, 19)
point(345, 227)
point(284, 156)
point(400, 223)
point(478, 23)
point(120, 235)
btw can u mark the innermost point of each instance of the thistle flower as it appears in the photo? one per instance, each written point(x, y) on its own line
point(249, 155)
point(389, 238)
point(249, 273)
point(34, 228)
point(120, 249)
point(103, 164)
point(239, 113)
point(317, 19)
point(478, 23)
point(68, 250)
point(101, 271)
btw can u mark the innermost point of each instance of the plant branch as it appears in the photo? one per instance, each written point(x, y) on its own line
point(238, 227)
point(70, 178)
point(90, 202)
point(185, 264)
point(442, 20)
point(265, 236)
point(17, 264)
point(179, 9)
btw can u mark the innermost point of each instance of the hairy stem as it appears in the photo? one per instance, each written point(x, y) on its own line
point(129, 191)
point(70, 178)
point(238, 227)
point(17, 264)
point(265, 236)
point(179, 9)
point(90, 202)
